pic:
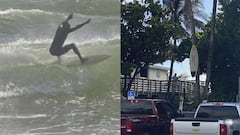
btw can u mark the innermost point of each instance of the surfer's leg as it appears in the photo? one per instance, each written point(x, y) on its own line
point(59, 60)
point(75, 49)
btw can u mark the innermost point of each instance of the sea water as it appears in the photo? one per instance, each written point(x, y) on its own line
point(39, 97)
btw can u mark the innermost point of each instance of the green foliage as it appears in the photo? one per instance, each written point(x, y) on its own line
point(145, 33)
point(182, 51)
point(226, 55)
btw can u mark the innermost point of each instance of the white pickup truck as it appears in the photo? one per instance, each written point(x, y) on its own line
point(213, 118)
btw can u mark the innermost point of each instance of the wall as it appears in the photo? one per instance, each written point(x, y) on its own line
point(157, 74)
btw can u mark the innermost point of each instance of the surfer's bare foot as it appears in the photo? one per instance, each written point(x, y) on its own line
point(59, 60)
point(84, 59)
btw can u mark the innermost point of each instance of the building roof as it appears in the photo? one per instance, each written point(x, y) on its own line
point(159, 67)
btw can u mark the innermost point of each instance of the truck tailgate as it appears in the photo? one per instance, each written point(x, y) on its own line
point(191, 126)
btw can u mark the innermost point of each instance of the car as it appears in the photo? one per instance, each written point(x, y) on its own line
point(211, 118)
point(147, 116)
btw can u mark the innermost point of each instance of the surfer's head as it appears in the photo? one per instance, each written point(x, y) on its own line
point(65, 25)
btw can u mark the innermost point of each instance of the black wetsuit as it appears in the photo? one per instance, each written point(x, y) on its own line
point(57, 48)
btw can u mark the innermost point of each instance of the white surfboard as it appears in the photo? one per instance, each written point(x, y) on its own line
point(194, 60)
point(87, 60)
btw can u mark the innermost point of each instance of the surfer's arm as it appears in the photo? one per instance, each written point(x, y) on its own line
point(70, 16)
point(80, 25)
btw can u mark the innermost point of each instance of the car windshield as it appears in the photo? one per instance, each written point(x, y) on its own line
point(139, 107)
point(221, 112)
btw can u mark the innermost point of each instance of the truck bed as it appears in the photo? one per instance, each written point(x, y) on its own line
point(196, 126)
point(210, 118)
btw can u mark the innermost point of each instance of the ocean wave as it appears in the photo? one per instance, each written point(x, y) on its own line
point(23, 116)
point(97, 40)
point(47, 41)
point(12, 11)
point(10, 90)
point(23, 41)
point(15, 12)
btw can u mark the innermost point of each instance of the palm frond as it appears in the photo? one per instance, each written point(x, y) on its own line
point(199, 24)
point(197, 3)
point(199, 13)
point(226, 2)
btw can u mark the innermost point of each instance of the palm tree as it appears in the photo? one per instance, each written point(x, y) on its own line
point(210, 51)
point(226, 2)
point(211, 48)
point(190, 17)
point(182, 13)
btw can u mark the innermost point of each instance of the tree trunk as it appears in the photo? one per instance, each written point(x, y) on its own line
point(170, 76)
point(137, 71)
point(210, 51)
point(171, 70)
point(132, 79)
point(198, 87)
point(193, 32)
point(124, 89)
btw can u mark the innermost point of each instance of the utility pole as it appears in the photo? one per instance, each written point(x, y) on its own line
point(238, 95)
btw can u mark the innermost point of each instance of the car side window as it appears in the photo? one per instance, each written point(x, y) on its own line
point(169, 109)
point(160, 108)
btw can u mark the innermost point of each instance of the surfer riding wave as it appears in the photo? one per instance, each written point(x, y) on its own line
point(57, 48)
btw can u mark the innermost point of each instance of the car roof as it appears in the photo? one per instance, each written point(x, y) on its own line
point(140, 99)
point(220, 104)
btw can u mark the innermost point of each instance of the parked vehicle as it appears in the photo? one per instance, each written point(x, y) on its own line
point(146, 117)
point(213, 118)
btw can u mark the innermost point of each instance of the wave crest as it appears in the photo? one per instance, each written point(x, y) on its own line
point(10, 90)
point(12, 11)
point(23, 41)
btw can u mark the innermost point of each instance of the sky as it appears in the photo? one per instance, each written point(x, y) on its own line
point(184, 67)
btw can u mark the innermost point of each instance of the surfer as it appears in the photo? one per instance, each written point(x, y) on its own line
point(57, 48)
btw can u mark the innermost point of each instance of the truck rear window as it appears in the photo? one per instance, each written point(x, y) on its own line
point(139, 107)
point(220, 112)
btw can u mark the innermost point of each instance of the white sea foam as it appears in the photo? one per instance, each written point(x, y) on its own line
point(20, 11)
point(4, 94)
point(13, 11)
point(95, 41)
point(23, 116)
point(23, 41)
point(10, 90)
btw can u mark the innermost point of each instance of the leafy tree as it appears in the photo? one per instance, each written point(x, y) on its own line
point(225, 3)
point(182, 12)
point(145, 34)
point(226, 54)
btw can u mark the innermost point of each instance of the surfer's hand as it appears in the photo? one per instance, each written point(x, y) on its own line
point(88, 21)
point(70, 16)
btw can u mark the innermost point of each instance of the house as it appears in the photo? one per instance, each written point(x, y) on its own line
point(155, 72)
